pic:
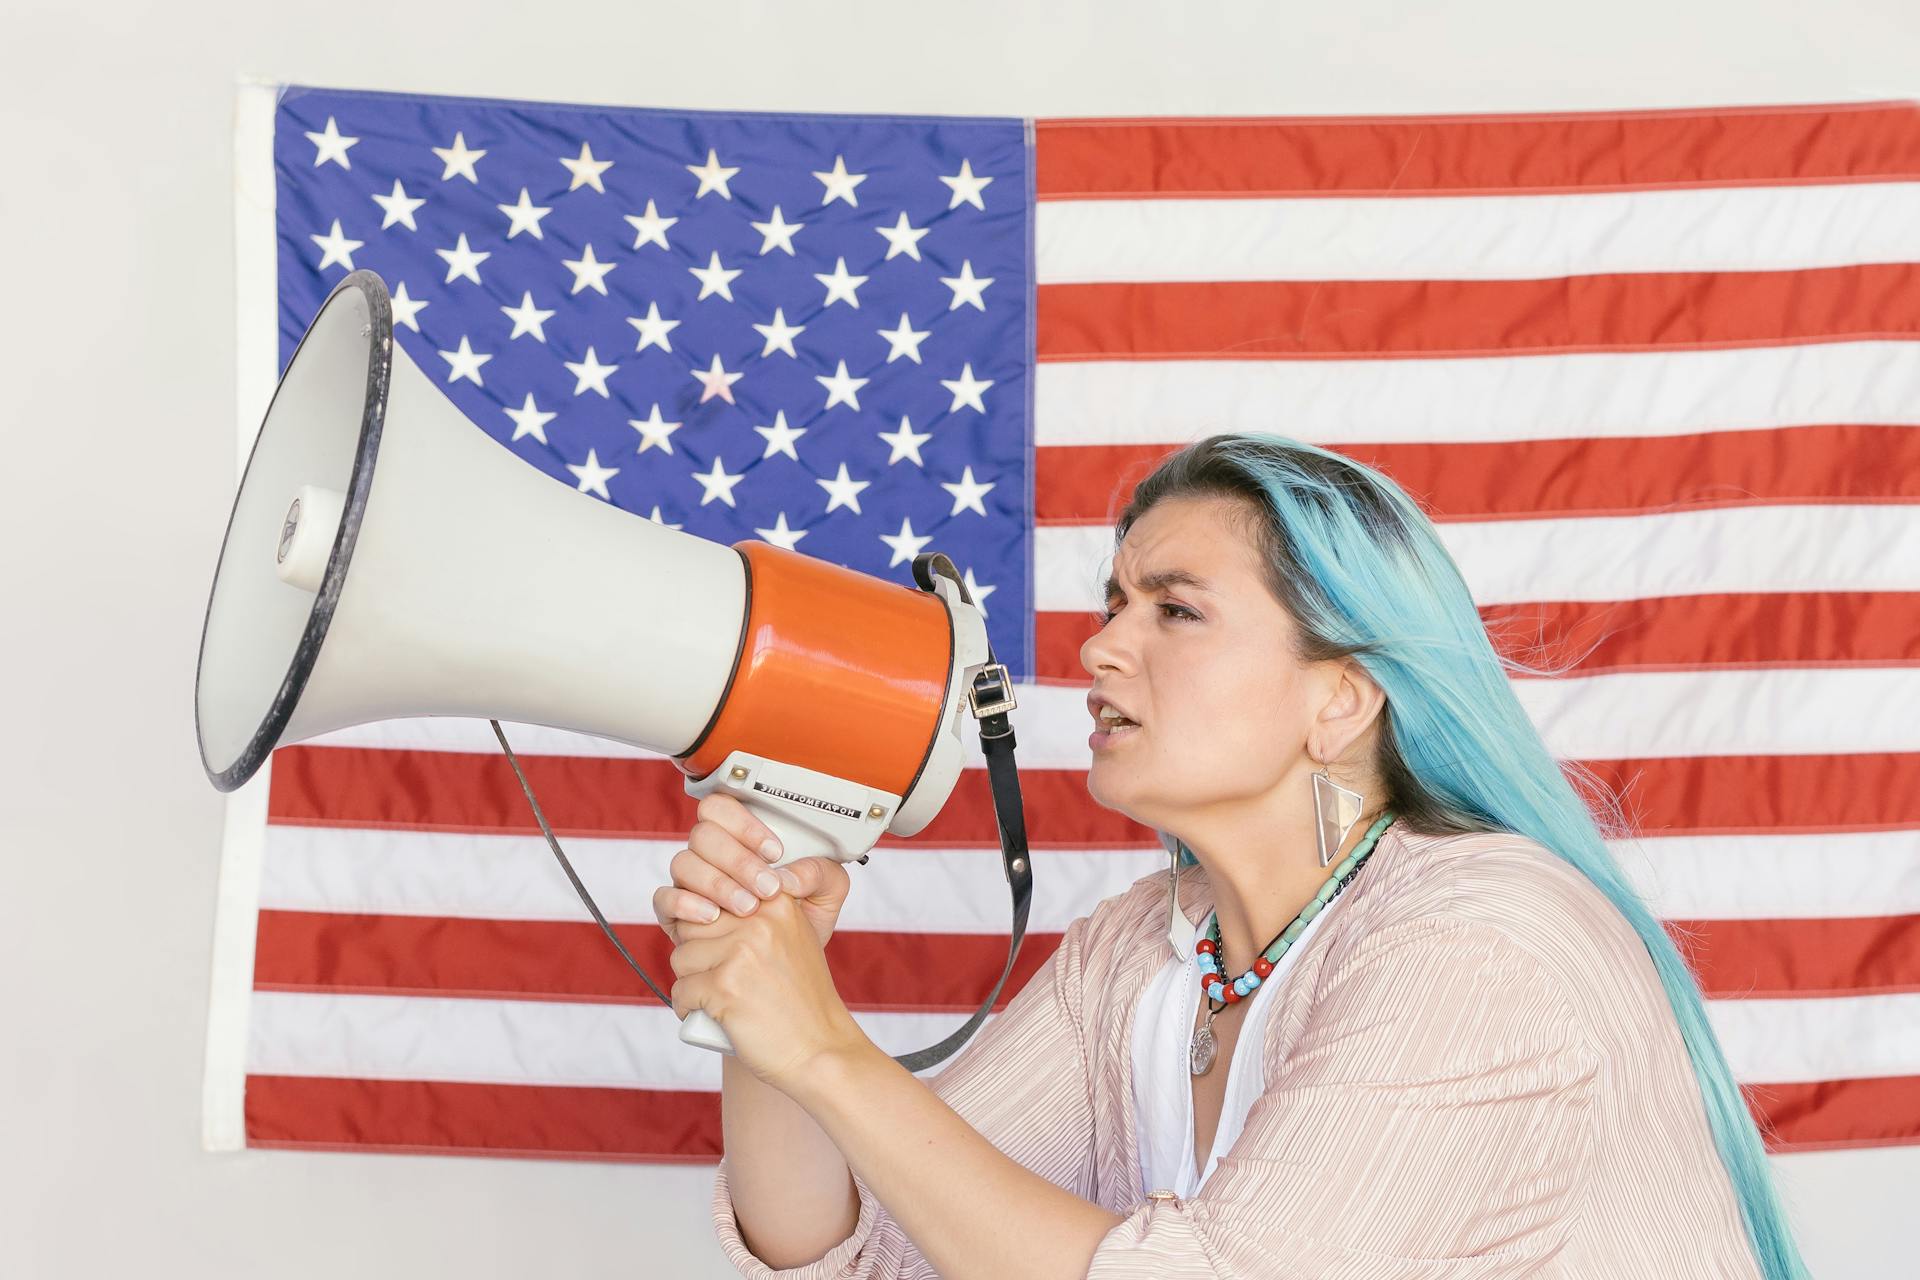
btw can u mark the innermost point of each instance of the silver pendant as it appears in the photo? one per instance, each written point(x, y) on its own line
point(1200, 1050)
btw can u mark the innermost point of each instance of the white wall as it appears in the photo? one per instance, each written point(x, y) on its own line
point(117, 408)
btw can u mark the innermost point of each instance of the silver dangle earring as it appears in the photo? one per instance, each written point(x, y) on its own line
point(1335, 810)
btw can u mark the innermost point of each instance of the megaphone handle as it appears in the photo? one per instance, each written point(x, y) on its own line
point(700, 1028)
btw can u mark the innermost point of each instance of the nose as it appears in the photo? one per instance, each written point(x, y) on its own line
point(1105, 649)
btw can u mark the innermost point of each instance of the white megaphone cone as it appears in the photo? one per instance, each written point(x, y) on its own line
point(385, 559)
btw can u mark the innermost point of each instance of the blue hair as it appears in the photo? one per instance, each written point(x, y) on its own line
point(1363, 573)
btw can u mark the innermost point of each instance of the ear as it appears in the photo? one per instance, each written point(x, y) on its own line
point(1352, 704)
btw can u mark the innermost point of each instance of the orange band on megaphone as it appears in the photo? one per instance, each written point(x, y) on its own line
point(839, 672)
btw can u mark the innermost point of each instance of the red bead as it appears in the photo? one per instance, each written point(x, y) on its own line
point(1263, 966)
point(1204, 946)
point(1232, 997)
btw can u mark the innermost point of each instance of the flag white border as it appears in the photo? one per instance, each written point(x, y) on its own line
point(236, 908)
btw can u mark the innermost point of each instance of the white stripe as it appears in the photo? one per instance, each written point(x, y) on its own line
point(409, 873)
point(1827, 1038)
point(1724, 549)
point(1467, 237)
point(1787, 711)
point(537, 1042)
point(1528, 397)
point(1783, 877)
point(528, 1042)
point(223, 1125)
point(358, 871)
point(1790, 711)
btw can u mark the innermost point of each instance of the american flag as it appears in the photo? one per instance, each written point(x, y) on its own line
point(1653, 373)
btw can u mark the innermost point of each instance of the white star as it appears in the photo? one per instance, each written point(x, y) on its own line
point(654, 432)
point(650, 227)
point(716, 381)
point(527, 318)
point(399, 207)
point(904, 543)
point(712, 176)
point(526, 216)
point(715, 278)
point(462, 261)
point(840, 183)
point(967, 494)
point(405, 308)
point(843, 490)
point(904, 341)
point(902, 238)
point(718, 484)
point(840, 388)
point(906, 443)
point(780, 334)
point(967, 287)
point(465, 363)
point(590, 373)
point(652, 329)
point(589, 272)
point(331, 146)
point(966, 187)
point(592, 476)
point(530, 420)
point(586, 170)
point(966, 390)
point(338, 250)
point(777, 233)
point(459, 159)
point(780, 436)
point(840, 285)
point(977, 593)
point(656, 518)
point(780, 535)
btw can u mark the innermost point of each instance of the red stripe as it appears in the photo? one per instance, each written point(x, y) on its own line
point(902, 972)
point(1830, 1115)
point(1400, 155)
point(874, 971)
point(1278, 319)
point(624, 796)
point(430, 1118)
point(1670, 633)
point(1833, 956)
point(457, 791)
point(1581, 476)
point(683, 1127)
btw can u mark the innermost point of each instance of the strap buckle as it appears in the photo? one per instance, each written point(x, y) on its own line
point(991, 692)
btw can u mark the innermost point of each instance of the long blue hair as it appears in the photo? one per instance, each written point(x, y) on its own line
point(1364, 574)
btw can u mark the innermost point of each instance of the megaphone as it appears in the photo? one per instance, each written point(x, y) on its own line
point(387, 559)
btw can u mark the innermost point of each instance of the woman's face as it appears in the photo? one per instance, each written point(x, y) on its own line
point(1197, 652)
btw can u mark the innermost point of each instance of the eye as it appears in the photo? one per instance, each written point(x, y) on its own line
point(1177, 611)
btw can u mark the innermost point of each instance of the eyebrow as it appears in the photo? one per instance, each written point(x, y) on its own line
point(1159, 581)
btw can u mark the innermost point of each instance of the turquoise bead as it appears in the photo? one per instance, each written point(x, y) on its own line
point(1292, 931)
point(1252, 980)
point(1311, 910)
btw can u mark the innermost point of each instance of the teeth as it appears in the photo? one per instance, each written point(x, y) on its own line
point(1110, 717)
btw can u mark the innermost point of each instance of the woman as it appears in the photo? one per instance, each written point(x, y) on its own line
point(1470, 1049)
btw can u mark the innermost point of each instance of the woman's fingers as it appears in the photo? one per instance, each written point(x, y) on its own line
point(672, 905)
point(727, 813)
point(746, 870)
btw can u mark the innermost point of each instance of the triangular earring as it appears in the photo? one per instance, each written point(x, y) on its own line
point(1335, 810)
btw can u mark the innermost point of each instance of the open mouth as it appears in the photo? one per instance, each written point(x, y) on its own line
point(1111, 724)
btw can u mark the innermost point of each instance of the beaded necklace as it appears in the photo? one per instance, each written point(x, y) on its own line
point(1200, 1051)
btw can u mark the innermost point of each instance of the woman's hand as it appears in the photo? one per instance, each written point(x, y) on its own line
point(764, 977)
point(721, 866)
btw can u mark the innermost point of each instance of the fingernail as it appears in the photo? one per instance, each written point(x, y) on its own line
point(789, 879)
point(770, 849)
point(766, 884)
point(743, 902)
point(709, 913)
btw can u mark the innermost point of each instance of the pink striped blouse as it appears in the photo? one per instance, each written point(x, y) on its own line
point(1472, 1071)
